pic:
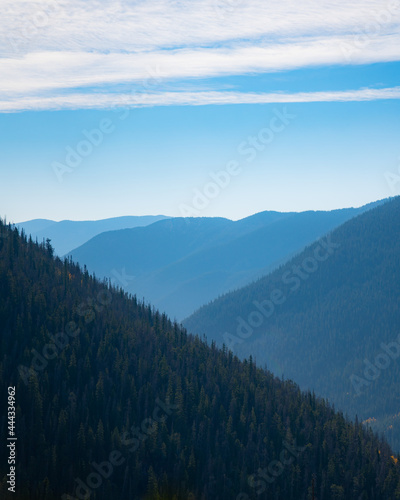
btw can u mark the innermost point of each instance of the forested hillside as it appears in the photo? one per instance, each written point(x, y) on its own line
point(115, 401)
point(329, 319)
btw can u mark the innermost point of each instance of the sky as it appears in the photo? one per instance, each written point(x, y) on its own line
point(196, 108)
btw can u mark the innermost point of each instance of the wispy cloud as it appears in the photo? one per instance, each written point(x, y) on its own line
point(108, 101)
point(51, 50)
point(135, 25)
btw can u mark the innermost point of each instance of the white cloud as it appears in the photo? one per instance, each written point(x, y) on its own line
point(147, 25)
point(130, 101)
point(52, 48)
point(56, 70)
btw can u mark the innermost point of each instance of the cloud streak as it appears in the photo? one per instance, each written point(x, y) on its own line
point(52, 50)
point(139, 100)
point(67, 69)
point(142, 25)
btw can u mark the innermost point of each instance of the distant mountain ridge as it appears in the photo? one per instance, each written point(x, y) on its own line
point(323, 317)
point(67, 234)
point(180, 264)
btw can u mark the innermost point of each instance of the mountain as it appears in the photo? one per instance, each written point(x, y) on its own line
point(35, 226)
point(181, 264)
point(67, 234)
point(113, 400)
point(329, 318)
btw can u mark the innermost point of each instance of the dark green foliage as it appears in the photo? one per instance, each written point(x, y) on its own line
point(220, 419)
point(337, 317)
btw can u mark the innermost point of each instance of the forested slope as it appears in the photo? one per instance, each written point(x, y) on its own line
point(115, 401)
point(321, 319)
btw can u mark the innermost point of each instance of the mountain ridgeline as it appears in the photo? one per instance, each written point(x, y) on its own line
point(113, 400)
point(329, 319)
point(180, 264)
point(69, 234)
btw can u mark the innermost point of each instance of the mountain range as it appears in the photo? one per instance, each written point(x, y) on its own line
point(328, 319)
point(180, 264)
point(67, 234)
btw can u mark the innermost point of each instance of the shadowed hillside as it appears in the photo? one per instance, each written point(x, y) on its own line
point(113, 400)
point(321, 319)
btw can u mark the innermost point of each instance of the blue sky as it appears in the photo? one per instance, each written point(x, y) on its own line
point(204, 108)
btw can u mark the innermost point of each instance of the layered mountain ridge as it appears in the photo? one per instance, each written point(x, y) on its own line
point(328, 319)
